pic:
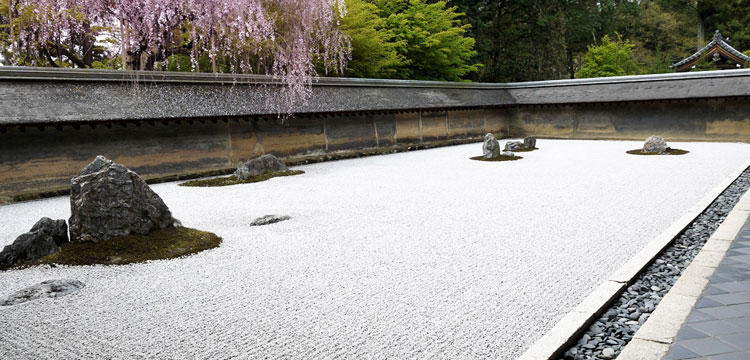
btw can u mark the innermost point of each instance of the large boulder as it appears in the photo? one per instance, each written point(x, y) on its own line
point(44, 238)
point(260, 165)
point(514, 146)
point(45, 289)
point(655, 144)
point(490, 148)
point(108, 200)
point(529, 142)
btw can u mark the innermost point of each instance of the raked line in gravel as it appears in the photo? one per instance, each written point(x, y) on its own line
point(422, 254)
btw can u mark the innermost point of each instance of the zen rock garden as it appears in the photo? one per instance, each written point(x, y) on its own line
point(367, 231)
point(109, 205)
point(115, 218)
point(109, 201)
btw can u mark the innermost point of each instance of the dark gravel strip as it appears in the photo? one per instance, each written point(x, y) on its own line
point(609, 334)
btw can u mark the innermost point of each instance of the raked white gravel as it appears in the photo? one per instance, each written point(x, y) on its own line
point(415, 255)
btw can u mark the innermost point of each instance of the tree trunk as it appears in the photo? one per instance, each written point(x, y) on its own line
point(701, 33)
point(213, 53)
point(87, 46)
point(12, 33)
point(571, 63)
point(124, 46)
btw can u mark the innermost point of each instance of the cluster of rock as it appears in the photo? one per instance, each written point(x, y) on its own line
point(260, 165)
point(107, 200)
point(44, 238)
point(612, 331)
point(491, 147)
point(527, 143)
point(655, 144)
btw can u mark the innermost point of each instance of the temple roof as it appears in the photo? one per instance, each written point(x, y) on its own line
point(717, 40)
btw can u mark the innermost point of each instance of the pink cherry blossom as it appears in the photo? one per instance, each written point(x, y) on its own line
point(286, 39)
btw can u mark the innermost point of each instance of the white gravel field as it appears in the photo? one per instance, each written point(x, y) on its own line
point(417, 255)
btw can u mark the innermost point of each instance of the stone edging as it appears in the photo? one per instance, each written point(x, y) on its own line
point(572, 325)
point(655, 337)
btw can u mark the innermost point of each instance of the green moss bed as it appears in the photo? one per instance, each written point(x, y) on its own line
point(161, 244)
point(669, 152)
point(233, 180)
point(499, 158)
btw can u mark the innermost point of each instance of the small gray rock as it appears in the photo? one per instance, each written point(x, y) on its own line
point(269, 219)
point(45, 289)
point(608, 353)
point(514, 145)
point(655, 144)
point(529, 142)
point(260, 165)
point(44, 238)
point(507, 153)
point(642, 319)
point(490, 148)
point(108, 200)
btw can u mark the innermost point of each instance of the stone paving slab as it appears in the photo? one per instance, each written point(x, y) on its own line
point(718, 327)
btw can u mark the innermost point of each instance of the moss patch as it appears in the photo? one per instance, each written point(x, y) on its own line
point(669, 152)
point(233, 180)
point(525, 150)
point(161, 244)
point(499, 158)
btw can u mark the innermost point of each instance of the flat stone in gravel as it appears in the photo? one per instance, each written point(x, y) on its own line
point(45, 289)
point(269, 219)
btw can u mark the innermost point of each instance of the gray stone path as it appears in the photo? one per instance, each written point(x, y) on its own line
point(719, 326)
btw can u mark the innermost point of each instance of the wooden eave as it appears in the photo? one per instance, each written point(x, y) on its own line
point(710, 52)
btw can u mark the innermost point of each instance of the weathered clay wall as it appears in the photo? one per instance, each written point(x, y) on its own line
point(722, 119)
point(43, 158)
point(166, 125)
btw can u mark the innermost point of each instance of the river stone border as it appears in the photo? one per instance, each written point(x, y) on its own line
point(620, 322)
point(673, 248)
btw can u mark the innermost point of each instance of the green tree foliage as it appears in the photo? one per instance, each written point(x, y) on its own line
point(516, 40)
point(430, 39)
point(731, 17)
point(374, 53)
point(662, 36)
point(611, 58)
